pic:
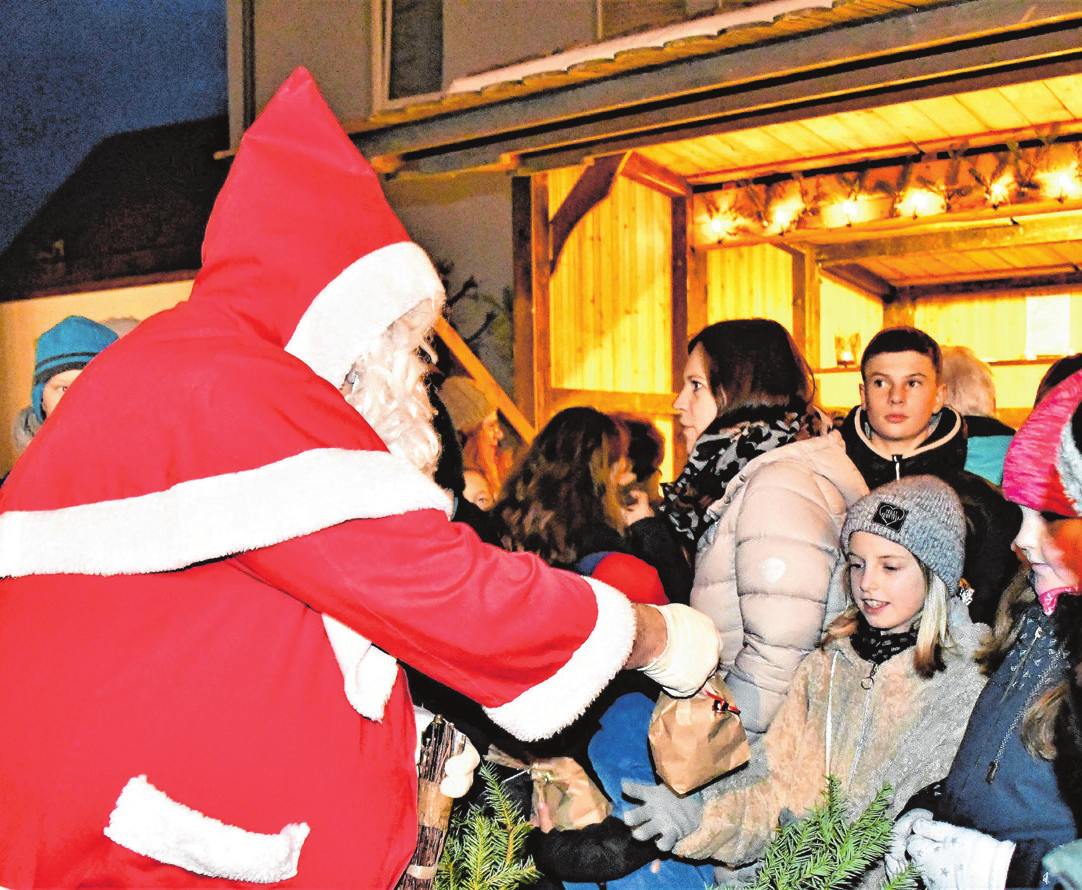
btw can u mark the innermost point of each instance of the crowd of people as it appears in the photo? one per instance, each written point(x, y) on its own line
point(226, 613)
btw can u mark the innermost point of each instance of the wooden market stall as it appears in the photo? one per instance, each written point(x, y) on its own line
point(836, 166)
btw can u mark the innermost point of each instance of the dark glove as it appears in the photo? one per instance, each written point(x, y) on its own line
point(594, 854)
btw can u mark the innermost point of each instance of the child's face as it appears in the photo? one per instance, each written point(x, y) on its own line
point(490, 431)
point(695, 406)
point(476, 490)
point(55, 387)
point(900, 393)
point(886, 581)
point(1049, 548)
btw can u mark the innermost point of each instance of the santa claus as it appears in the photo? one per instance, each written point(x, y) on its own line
point(211, 561)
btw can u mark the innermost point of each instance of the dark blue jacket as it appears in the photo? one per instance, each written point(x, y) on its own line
point(994, 785)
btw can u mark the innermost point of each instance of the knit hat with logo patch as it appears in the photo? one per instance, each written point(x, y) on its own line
point(922, 514)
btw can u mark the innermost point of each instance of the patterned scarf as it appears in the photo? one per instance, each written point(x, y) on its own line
point(719, 455)
point(876, 645)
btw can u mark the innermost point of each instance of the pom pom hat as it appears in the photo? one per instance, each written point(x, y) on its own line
point(466, 403)
point(1031, 477)
point(67, 346)
point(924, 515)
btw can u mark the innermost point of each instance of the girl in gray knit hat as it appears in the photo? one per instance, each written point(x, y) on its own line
point(883, 700)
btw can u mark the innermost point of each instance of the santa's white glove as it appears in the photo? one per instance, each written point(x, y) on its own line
point(896, 859)
point(692, 651)
point(458, 771)
point(953, 858)
point(664, 816)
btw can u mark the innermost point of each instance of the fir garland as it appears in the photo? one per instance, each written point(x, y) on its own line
point(484, 847)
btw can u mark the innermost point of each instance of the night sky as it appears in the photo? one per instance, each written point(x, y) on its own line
point(73, 72)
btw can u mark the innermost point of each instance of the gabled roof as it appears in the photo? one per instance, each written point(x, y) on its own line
point(804, 63)
point(818, 87)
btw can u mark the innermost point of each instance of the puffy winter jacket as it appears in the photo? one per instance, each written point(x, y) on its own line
point(764, 567)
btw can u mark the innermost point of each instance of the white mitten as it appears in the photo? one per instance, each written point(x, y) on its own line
point(458, 771)
point(896, 859)
point(953, 858)
point(692, 651)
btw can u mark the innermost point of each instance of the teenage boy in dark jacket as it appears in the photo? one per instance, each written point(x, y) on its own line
point(903, 428)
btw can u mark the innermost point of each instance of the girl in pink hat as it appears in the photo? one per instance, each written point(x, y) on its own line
point(1000, 810)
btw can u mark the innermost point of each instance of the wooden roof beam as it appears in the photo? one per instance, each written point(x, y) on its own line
point(656, 176)
point(1051, 283)
point(855, 275)
point(1012, 232)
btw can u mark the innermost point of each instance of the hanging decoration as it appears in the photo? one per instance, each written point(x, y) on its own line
point(962, 182)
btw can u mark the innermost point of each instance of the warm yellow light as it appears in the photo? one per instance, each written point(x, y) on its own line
point(723, 223)
point(999, 192)
point(784, 213)
point(1061, 183)
point(849, 210)
point(921, 202)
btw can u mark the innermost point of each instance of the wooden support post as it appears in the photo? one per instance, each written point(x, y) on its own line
point(680, 249)
point(806, 304)
point(698, 311)
point(541, 253)
point(899, 312)
point(522, 297)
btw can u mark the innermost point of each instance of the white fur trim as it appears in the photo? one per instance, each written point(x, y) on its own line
point(149, 822)
point(213, 517)
point(368, 671)
point(360, 304)
point(1070, 466)
point(553, 704)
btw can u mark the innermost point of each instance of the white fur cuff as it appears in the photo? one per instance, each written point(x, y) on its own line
point(149, 822)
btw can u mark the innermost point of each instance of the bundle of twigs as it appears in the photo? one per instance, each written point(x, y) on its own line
point(440, 742)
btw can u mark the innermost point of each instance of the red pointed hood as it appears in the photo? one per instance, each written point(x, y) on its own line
point(217, 426)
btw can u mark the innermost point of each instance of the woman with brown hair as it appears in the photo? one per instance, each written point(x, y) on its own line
point(563, 500)
point(760, 503)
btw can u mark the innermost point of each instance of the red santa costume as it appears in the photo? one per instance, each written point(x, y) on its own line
point(174, 713)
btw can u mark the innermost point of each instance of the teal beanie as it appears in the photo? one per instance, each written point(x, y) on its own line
point(65, 347)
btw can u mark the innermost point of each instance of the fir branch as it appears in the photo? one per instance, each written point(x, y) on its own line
point(484, 847)
point(827, 851)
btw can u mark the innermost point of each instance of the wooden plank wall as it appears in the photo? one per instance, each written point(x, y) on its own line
point(749, 282)
point(610, 292)
point(610, 313)
point(994, 326)
point(756, 280)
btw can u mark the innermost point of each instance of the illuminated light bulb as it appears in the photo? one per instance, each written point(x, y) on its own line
point(1000, 190)
point(1061, 183)
point(849, 210)
point(922, 202)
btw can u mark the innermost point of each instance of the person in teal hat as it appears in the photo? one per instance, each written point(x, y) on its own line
point(60, 355)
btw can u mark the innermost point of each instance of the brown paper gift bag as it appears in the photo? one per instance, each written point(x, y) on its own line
point(695, 740)
point(564, 795)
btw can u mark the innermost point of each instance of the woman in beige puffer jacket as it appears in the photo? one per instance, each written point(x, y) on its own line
point(761, 499)
point(764, 568)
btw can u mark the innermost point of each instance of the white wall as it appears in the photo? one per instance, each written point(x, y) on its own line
point(479, 35)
